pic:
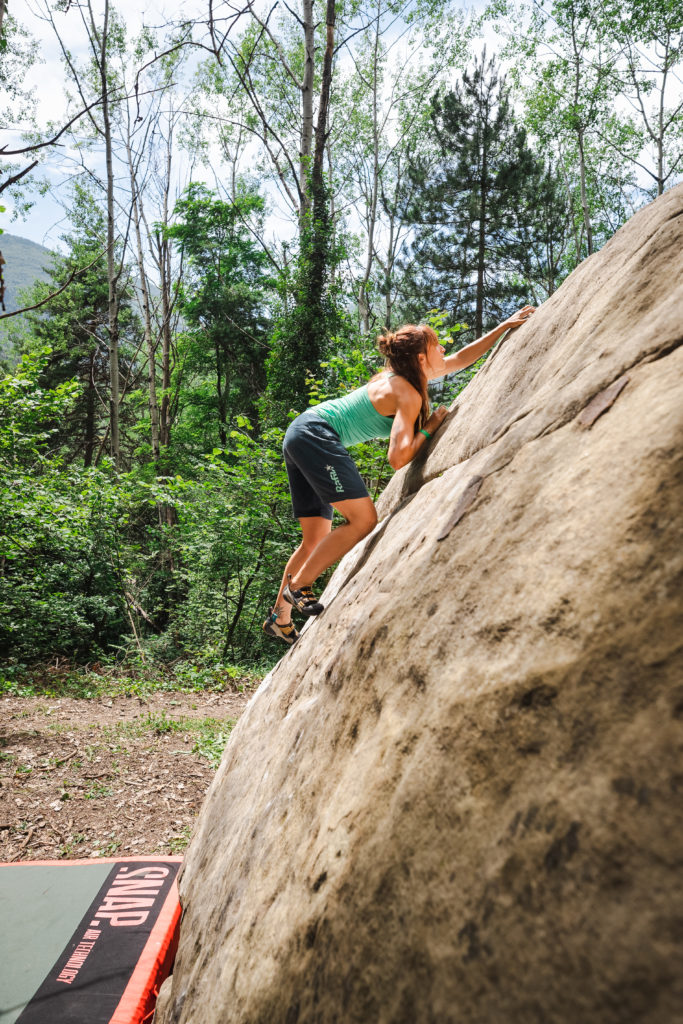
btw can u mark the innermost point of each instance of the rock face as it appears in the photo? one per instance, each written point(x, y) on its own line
point(459, 797)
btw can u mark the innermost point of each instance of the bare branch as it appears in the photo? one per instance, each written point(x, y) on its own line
point(74, 274)
point(627, 156)
point(276, 43)
point(293, 13)
point(149, 64)
point(18, 176)
point(50, 142)
point(268, 131)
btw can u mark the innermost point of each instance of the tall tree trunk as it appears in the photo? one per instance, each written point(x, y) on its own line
point(660, 120)
point(307, 109)
point(580, 136)
point(481, 254)
point(363, 300)
point(147, 316)
point(393, 246)
point(319, 227)
point(333, 212)
point(90, 403)
point(166, 336)
point(112, 274)
point(222, 431)
point(318, 189)
point(481, 248)
point(388, 271)
point(166, 345)
point(313, 317)
point(572, 210)
point(584, 194)
point(160, 251)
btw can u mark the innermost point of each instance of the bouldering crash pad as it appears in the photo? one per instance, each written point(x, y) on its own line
point(86, 941)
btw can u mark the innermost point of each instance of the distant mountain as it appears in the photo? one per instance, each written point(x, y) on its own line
point(25, 263)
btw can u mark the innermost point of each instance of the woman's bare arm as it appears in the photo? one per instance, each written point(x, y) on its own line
point(404, 443)
point(470, 353)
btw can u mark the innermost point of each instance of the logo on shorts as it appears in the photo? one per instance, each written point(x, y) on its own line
point(335, 479)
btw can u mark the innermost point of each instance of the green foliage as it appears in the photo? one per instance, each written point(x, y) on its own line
point(224, 301)
point(81, 566)
point(236, 534)
point(140, 673)
point(649, 38)
point(59, 530)
point(567, 65)
point(18, 54)
point(84, 553)
point(310, 314)
point(25, 409)
point(72, 327)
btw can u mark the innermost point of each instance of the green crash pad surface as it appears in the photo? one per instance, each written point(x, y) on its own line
point(85, 942)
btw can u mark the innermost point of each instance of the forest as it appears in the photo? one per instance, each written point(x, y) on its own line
point(250, 197)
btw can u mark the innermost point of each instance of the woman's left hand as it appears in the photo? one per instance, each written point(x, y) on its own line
point(436, 419)
point(519, 318)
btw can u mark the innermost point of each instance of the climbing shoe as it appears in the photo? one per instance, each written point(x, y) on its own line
point(303, 600)
point(280, 630)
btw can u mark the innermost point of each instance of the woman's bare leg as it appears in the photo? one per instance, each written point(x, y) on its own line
point(314, 529)
point(361, 519)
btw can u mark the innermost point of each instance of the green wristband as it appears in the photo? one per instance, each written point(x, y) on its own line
point(425, 432)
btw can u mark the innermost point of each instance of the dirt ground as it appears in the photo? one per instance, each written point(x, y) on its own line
point(118, 776)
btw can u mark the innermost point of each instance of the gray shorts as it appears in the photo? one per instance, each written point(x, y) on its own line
point(321, 472)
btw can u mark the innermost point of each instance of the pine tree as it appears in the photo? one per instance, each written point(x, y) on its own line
point(469, 255)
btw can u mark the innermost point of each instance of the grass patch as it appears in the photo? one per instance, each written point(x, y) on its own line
point(211, 733)
point(69, 848)
point(109, 848)
point(97, 790)
point(176, 844)
point(213, 736)
point(197, 673)
point(156, 724)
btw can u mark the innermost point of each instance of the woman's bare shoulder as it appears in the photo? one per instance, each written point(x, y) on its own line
point(401, 384)
point(387, 380)
point(390, 392)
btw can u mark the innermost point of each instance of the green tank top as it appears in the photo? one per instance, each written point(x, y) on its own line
point(354, 417)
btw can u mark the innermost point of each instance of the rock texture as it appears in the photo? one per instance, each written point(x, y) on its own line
point(459, 797)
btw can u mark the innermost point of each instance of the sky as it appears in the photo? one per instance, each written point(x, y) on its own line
point(46, 220)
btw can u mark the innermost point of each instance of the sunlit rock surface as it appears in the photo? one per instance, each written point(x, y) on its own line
point(459, 798)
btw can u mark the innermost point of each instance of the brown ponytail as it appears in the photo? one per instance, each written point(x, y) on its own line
point(401, 349)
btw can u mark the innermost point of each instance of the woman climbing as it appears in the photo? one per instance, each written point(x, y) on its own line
point(322, 474)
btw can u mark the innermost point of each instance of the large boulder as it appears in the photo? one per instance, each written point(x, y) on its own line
point(459, 797)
